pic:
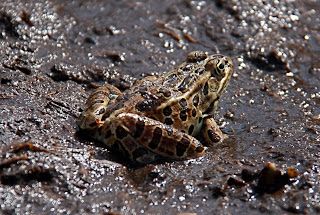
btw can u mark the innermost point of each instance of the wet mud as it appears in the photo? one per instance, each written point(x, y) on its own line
point(53, 54)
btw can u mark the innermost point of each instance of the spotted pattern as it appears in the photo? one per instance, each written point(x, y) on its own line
point(156, 138)
point(200, 71)
point(139, 129)
point(194, 113)
point(98, 101)
point(165, 92)
point(196, 100)
point(168, 121)
point(121, 132)
point(205, 89)
point(160, 115)
point(183, 87)
point(191, 128)
point(182, 147)
point(199, 149)
point(167, 111)
point(183, 115)
point(100, 111)
point(183, 103)
point(146, 105)
point(213, 136)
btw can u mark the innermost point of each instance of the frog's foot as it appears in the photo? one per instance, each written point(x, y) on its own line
point(139, 134)
point(211, 132)
point(96, 106)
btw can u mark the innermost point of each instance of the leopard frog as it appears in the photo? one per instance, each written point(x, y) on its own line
point(160, 116)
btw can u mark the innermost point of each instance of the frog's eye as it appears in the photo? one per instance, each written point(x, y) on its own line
point(217, 68)
point(220, 69)
point(221, 66)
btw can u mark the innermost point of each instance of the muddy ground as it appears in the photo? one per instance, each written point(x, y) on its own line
point(55, 53)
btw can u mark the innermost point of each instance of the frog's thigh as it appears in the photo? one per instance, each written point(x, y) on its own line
point(211, 132)
point(155, 136)
point(96, 106)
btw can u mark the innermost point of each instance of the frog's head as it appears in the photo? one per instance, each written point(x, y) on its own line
point(213, 70)
point(218, 70)
point(221, 69)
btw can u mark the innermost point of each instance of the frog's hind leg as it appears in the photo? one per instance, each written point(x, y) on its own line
point(96, 106)
point(211, 132)
point(139, 134)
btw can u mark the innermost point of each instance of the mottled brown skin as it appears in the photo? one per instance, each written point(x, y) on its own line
point(160, 115)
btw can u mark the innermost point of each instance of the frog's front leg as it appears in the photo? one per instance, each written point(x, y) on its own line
point(96, 106)
point(134, 132)
point(211, 132)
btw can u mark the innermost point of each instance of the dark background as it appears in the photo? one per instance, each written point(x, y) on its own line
point(53, 54)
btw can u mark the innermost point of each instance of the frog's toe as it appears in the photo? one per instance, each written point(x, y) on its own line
point(212, 133)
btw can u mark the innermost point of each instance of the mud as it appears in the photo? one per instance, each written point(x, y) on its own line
point(54, 53)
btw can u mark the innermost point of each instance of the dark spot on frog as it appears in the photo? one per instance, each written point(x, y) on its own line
point(200, 71)
point(167, 111)
point(121, 132)
point(139, 128)
point(199, 149)
point(183, 115)
point(205, 89)
point(183, 103)
point(196, 100)
point(146, 105)
point(191, 128)
point(182, 146)
point(185, 84)
point(156, 138)
point(194, 112)
point(168, 121)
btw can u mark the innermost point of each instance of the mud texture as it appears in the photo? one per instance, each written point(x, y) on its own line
point(53, 54)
